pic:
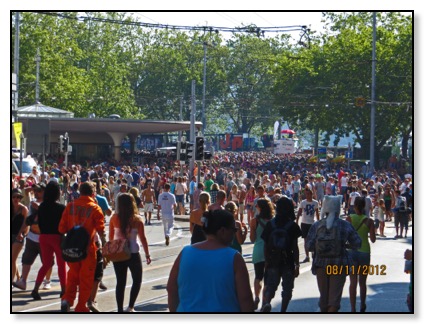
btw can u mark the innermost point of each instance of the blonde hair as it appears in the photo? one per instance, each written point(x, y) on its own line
point(204, 200)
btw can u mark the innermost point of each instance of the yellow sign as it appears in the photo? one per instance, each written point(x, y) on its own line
point(360, 102)
point(17, 128)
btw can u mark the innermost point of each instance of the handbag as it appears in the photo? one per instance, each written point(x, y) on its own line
point(117, 250)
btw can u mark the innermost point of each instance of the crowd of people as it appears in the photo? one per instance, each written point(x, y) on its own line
point(241, 194)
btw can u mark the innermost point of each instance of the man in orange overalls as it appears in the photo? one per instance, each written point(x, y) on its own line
point(86, 212)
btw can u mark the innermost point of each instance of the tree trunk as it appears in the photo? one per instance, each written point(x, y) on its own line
point(405, 139)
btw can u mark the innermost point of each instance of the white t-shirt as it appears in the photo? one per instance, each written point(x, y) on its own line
point(343, 181)
point(308, 211)
point(166, 201)
point(352, 196)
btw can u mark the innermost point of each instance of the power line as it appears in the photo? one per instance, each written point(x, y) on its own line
point(253, 29)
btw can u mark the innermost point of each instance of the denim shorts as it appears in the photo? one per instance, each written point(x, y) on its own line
point(360, 258)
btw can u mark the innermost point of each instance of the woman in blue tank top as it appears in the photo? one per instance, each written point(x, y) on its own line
point(210, 276)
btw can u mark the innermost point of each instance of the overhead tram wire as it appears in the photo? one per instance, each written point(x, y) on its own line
point(246, 29)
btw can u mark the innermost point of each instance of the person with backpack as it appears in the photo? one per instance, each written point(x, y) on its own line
point(265, 213)
point(281, 254)
point(327, 240)
point(401, 214)
point(364, 226)
point(80, 220)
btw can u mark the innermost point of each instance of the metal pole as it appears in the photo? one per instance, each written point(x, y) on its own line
point(192, 122)
point(372, 133)
point(180, 133)
point(16, 67)
point(66, 151)
point(204, 87)
point(37, 76)
point(21, 144)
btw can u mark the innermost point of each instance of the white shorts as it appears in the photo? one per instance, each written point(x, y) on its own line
point(148, 207)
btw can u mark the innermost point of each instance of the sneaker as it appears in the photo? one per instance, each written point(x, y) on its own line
point(266, 308)
point(19, 284)
point(64, 306)
point(306, 260)
point(130, 310)
point(102, 286)
point(256, 304)
point(92, 305)
point(47, 285)
point(35, 295)
point(167, 240)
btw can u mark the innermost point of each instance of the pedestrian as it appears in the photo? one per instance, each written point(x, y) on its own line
point(220, 201)
point(257, 226)
point(210, 276)
point(49, 216)
point(281, 262)
point(325, 259)
point(379, 212)
point(408, 270)
point(308, 208)
point(128, 224)
point(250, 197)
point(361, 257)
point(32, 243)
point(196, 224)
point(241, 233)
point(167, 204)
point(19, 213)
point(84, 212)
point(148, 198)
point(401, 214)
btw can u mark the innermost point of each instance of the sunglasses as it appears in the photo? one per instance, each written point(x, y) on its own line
point(19, 197)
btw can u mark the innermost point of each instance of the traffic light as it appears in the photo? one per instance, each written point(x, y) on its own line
point(65, 144)
point(61, 148)
point(208, 155)
point(199, 148)
point(190, 151)
point(183, 151)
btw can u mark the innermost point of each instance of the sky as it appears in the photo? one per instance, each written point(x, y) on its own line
point(234, 19)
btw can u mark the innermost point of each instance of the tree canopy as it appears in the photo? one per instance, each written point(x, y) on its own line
point(96, 66)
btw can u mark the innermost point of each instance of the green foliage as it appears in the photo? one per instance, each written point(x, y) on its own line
point(95, 66)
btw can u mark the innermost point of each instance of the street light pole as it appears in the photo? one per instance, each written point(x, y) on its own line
point(372, 131)
point(204, 87)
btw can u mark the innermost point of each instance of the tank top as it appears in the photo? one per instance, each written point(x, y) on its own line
point(362, 232)
point(17, 221)
point(198, 234)
point(213, 271)
point(258, 249)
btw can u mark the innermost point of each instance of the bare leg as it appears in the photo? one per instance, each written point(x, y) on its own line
point(352, 292)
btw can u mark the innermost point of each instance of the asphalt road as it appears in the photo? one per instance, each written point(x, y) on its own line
point(386, 293)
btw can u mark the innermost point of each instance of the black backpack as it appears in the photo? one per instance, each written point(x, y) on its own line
point(74, 245)
point(327, 242)
point(279, 240)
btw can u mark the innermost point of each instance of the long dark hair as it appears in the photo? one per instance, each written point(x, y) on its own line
point(127, 211)
point(51, 193)
point(214, 220)
point(285, 209)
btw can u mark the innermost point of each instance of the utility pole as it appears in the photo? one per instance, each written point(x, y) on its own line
point(372, 132)
point(192, 122)
point(37, 76)
point(16, 67)
point(204, 87)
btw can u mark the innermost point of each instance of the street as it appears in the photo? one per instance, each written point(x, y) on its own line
point(386, 293)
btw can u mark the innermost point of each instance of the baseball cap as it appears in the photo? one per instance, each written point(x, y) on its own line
point(40, 186)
